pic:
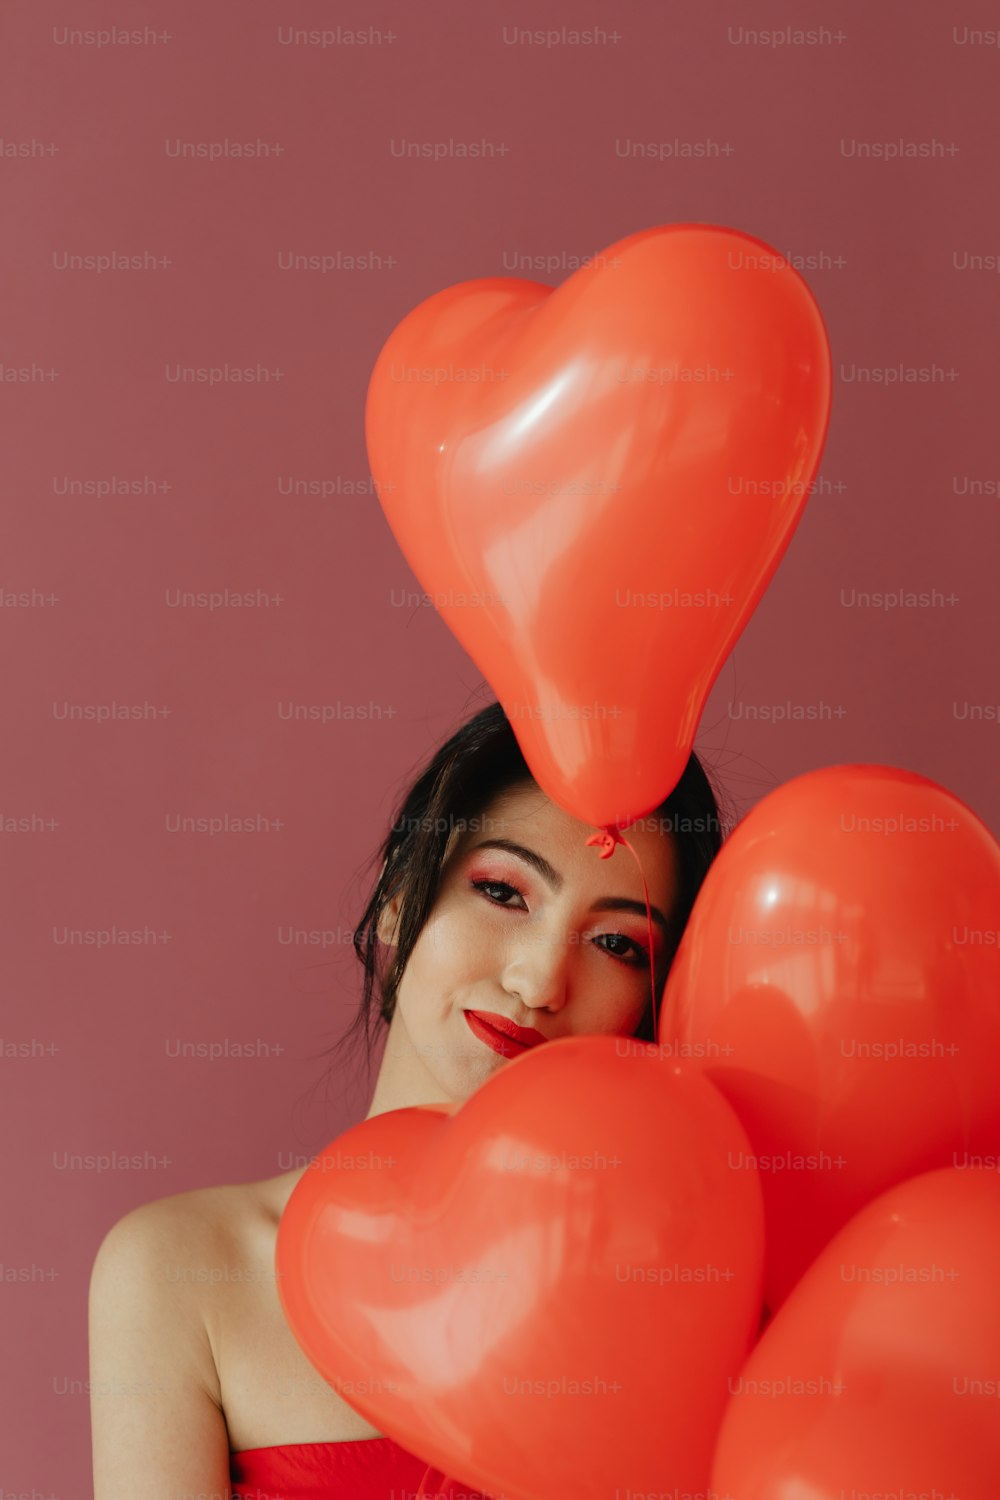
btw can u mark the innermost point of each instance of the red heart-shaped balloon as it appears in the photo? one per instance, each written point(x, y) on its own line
point(545, 1291)
point(838, 981)
point(880, 1375)
point(595, 484)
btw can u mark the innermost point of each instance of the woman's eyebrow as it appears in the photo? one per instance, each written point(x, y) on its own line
point(553, 878)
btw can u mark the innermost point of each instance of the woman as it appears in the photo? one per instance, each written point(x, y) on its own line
point(494, 910)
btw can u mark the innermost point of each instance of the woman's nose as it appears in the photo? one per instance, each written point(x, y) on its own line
point(537, 969)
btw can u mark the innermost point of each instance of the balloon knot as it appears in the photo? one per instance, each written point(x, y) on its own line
point(607, 838)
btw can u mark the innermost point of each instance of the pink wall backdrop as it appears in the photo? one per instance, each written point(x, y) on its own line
point(232, 188)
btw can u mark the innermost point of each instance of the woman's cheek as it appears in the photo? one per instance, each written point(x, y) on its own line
point(457, 939)
point(614, 1017)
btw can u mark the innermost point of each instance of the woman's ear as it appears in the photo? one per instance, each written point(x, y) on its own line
point(388, 921)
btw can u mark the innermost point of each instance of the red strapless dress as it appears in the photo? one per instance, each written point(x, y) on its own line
point(359, 1469)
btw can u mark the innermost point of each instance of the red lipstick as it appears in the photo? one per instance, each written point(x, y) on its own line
point(502, 1034)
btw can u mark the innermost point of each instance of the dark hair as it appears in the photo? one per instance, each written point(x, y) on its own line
point(481, 760)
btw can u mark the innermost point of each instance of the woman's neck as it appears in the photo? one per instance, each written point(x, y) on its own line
point(403, 1079)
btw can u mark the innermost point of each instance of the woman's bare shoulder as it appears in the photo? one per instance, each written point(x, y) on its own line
point(186, 1253)
point(191, 1243)
point(220, 1219)
point(156, 1309)
point(173, 1219)
point(203, 1206)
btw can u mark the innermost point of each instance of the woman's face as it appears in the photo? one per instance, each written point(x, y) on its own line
point(531, 945)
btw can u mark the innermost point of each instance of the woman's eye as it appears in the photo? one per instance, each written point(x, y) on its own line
point(618, 937)
point(639, 953)
point(494, 885)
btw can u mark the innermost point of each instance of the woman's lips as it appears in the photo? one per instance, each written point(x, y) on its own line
point(505, 1045)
